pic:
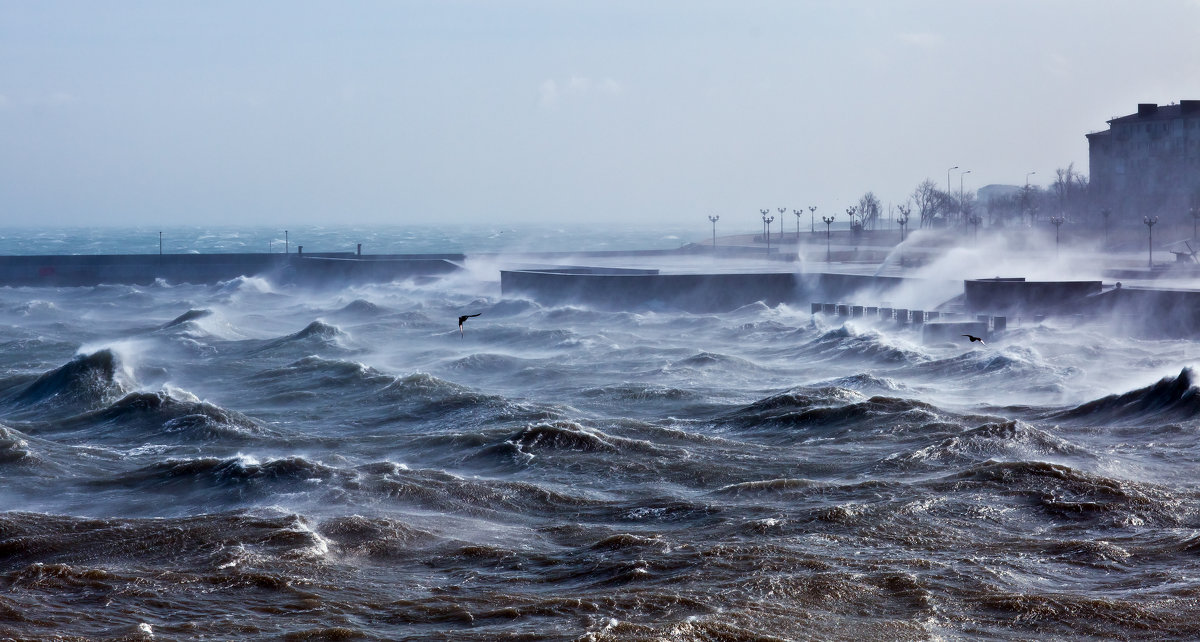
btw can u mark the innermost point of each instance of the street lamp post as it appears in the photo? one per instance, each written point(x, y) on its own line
point(798, 213)
point(782, 211)
point(948, 182)
point(160, 243)
point(902, 221)
point(1150, 237)
point(714, 220)
point(767, 226)
point(812, 212)
point(828, 220)
point(1057, 222)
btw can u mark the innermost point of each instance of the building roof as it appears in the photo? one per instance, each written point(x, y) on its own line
point(1148, 112)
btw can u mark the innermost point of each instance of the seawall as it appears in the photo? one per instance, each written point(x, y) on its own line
point(89, 270)
point(693, 292)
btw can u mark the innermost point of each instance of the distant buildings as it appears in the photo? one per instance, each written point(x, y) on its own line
point(1147, 163)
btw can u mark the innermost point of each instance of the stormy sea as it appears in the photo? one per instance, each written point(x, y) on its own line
point(258, 460)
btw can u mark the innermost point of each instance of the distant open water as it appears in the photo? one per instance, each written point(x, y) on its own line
point(254, 461)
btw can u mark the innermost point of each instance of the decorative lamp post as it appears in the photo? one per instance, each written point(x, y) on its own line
point(1150, 237)
point(797, 213)
point(767, 226)
point(782, 211)
point(764, 215)
point(714, 220)
point(902, 221)
point(828, 220)
point(812, 212)
point(1057, 222)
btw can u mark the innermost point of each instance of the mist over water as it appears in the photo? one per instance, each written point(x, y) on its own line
point(255, 460)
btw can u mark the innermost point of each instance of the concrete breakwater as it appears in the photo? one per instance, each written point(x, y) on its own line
point(88, 270)
point(619, 289)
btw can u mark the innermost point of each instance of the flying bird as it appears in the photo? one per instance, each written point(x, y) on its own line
point(974, 338)
point(463, 319)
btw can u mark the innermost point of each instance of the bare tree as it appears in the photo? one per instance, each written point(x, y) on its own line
point(868, 210)
point(928, 201)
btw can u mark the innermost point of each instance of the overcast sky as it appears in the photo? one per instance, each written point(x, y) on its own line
point(276, 112)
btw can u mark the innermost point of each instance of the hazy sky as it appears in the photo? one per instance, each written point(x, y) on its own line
point(276, 112)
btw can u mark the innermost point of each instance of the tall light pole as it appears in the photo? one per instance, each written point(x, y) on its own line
point(828, 220)
point(782, 211)
point(962, 202)
point(812, 212)
point(948, 179)
point(1150, 240)
point(285, 243)
point(1057, 222)
point(767, 226)
point(714, 220)
point(160, 243)
point(902, 221)
point(764, 215)
point(798, 213)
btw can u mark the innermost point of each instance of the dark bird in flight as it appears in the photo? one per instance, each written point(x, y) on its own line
point(463, 319)
point(974, 338)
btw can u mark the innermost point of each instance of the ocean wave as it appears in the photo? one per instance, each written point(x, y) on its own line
point(15, 450)
point(37, 307)
point(716, 360)
point(642, 392)
point(190, 315)
point(85, 380)
point(1012, 363)
point(361, 308)
point(242, 475)
point(317, 334)
point(767, 486)
point(213, 546)
point(490, 363)
point(320, 373)
point(831, 409)
point(1063, 492)
point(1169, 399)
point(1001, 440)
point(142, 414)
point(849, 340)
point(447, 493)
point(375, 537)
point(865, 382)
